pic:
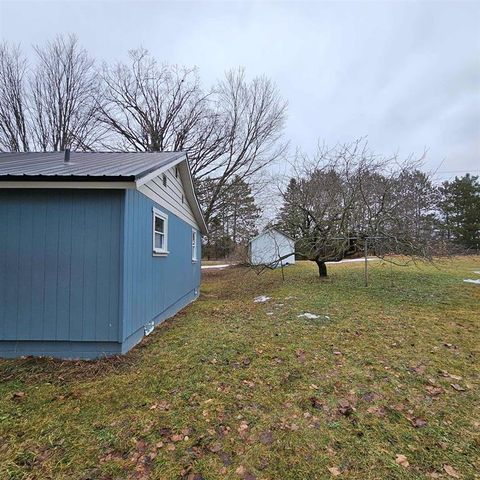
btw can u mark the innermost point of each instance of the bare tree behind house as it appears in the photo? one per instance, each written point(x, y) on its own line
point(254, 115)
point(64, 97)
point(14, 132)
point(229, 132)
point(153, 107)
point(346, 196)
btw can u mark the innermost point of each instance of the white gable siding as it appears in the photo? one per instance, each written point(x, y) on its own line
point(170, 197)
point(269, 247)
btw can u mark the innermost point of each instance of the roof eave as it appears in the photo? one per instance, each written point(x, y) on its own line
point(187, 180)
point(67, 178)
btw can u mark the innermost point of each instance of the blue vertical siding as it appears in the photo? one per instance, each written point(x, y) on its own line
point(60, 265)
point(78, 278)
point(155, 287)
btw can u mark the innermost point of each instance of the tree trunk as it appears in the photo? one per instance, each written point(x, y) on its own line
point(322, 268)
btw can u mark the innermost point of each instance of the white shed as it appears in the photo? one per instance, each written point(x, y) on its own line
point(271, 247)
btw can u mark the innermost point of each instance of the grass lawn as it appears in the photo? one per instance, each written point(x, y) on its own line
point(382, 385)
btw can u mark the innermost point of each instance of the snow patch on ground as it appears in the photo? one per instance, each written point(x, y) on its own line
point(261, 299)
point(469, 280)
point(352, 260)
point(310, 316)
point(206, 267)
point(477, 272)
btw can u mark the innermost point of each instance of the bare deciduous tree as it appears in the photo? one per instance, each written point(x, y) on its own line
point(64, 90)
point(14, 134)
point(152, 107)
point(347, 196)
point(230, 132)
point(254, 115)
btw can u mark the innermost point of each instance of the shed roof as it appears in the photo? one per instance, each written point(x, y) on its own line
point(271, 229)
point(100, 165)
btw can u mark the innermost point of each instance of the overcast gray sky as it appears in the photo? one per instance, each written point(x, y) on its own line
point(406, 74)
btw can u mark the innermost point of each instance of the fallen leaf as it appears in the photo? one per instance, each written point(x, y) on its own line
point(451, 471)
point(457, 387)
point(141, 446)
point(18, 395)
point(240, 470)
point(215, 447)
point(345, 408)
point(263, 463)
point(243, 426)
point(165, 432)
point(177, 437)
point(225, 458)
point(266, 437)
point(402, 460)
point(378, 411)
point(446, 374)
point(420, 369)
point(334, 471)
point(370, 397)
point(300, 355)
point(433, 391)
point(331, 451)
point(418, 422)
point(316, 403)
point(163, 406)
point(195, 476)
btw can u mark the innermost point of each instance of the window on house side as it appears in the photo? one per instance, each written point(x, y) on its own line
point(194, 245)
point(164, 179)
point(160, 232)
point(176, 172)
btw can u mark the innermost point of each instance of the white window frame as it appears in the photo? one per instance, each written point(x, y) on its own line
point(194, 245)
point(159, 214)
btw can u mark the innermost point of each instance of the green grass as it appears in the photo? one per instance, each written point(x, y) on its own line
point(226, 390)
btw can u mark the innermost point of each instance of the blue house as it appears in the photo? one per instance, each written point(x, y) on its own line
point(95, 250)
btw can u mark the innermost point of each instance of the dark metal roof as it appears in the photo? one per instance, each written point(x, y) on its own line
point(100, 165)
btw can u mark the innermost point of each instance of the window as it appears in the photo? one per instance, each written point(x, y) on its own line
point(194, 245)
point(176, 172)
point(160, 232)
point(164, 179)
point(183, 198)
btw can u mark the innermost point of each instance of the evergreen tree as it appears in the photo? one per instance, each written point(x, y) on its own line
point(234, 222)
point(460, 208)
point(293, 220)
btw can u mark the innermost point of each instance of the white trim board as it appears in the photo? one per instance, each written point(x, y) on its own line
point(159, 171)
